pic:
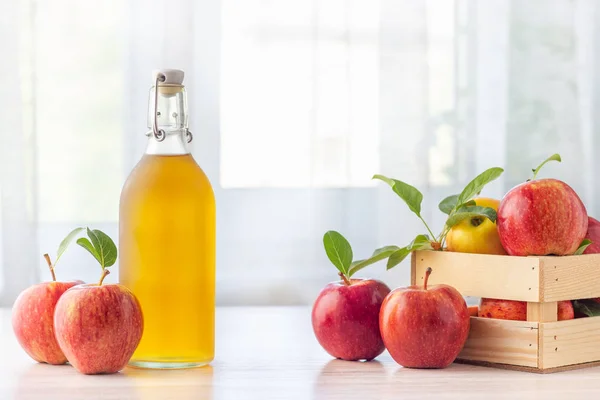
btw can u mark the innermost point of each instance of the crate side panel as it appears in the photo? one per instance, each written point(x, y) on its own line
point(569, 342)
point(570, 277)
point(480, 275)
point(500, 341)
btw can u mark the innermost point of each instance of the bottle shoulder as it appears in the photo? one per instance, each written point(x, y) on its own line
point(170, 173)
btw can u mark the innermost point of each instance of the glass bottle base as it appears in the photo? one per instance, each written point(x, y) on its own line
point(167, 364)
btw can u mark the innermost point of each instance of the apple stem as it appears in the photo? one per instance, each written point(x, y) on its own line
point(104, 273)
point(47, 257)
point(427, 273)
point(345, 279)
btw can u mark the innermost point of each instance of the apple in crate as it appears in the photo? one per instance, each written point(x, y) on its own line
point(424, 327)
point(517, 310)
point(98, 326)
point(33, 313)
point(345, 315)
point(542, 217)
point(593, 233)
point(476, 234)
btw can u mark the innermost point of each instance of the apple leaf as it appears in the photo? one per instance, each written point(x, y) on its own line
point(466, 204)
point(448, 204)
point(338, 250)
point(477, 184)
point(101, 247)
point(378, 255)
point(587, 307)
point(553, 157)
point(584, 244)
point(411, 195)
point(86, 244)
point(421, 242)
point(62, 247)
point(105, 247)
point(471, 212)
point(397, 257)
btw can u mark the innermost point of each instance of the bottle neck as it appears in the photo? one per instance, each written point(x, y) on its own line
point(171, 119)
point(174, 143)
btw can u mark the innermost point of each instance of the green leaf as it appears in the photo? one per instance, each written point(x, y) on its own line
point(471, 212)
point(421, 242)
point(62, 247)
point(584, 244)
point(411, 195)
point(105, 247)
point(338, 250)
point(478, 183)
point(587, 307)
point(467, 204)
point(448, 204)
point(398, 256)
point(553, 157)
point(378, 255)
point(85, 243)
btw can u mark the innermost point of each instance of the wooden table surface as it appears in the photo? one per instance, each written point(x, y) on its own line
point(271, 353)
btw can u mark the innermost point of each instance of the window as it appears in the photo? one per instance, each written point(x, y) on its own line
point(300, 93)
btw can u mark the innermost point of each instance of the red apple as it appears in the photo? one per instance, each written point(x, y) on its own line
point(98, 327)
point(503, 309)
point(424, 327)
point(345, 318)
point(593, 233)
point(517, 310)
point(32, 320)
point(541, 217)
point(565, 310)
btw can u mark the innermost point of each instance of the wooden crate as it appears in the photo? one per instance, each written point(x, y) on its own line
point(541, 344)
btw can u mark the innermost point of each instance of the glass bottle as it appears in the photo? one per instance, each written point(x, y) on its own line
point(167, 238)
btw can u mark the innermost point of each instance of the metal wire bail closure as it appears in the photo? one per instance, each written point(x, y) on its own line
point(159, 134)
point(189, 135)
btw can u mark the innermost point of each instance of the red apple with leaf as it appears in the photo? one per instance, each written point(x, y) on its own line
point(33, 313)
point(542, 217)
point(98, 326)
point(424, 327)
point(345, 315)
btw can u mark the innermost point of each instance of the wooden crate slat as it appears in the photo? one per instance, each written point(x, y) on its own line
point(504, 342)
point(542, 312)
point(570, 277)
point(569, 342)
point(480, 275)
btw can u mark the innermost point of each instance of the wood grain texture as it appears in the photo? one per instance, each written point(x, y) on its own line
point(569, 342)
point(480, 275)
point(542, 312)
point(413, 269)
point(270, 353)
point(501, 341)
point(570, 277)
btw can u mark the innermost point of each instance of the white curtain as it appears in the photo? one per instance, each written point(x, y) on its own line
point(294, 106)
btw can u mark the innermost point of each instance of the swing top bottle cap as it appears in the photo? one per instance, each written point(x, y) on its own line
point(171, 76)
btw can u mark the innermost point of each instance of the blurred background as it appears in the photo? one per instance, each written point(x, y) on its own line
point(294, 105)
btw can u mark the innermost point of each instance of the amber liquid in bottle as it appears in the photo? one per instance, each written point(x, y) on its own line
point(167, 255)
